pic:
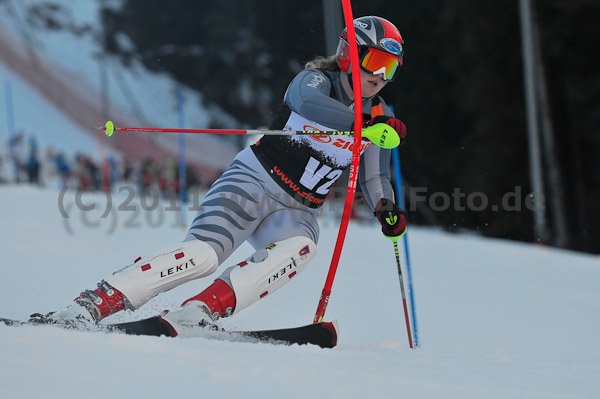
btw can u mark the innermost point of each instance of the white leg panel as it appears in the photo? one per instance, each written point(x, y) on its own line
point(269, 269)
point(174, 266)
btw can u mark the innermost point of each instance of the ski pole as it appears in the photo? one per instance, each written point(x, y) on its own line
point(397, 253)
point(380, 134)
point(411, 290)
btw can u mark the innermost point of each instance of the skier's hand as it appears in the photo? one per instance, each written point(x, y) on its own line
point(391, 218)
point(395, 124)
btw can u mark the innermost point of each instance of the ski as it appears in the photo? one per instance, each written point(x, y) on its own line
point(323, 334)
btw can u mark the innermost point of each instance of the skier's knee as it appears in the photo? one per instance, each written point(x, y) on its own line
point(173, 266)
point(268, 269)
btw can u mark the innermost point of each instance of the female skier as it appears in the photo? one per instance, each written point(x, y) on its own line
point(271, 194)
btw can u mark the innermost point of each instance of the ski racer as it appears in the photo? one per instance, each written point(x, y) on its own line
point(271, 195)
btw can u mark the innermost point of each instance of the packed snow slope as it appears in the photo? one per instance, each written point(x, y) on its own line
point(497, 319)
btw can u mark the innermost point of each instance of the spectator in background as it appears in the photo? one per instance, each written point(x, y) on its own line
point(33, 166)
point(146, 177)
point(191, 176)
point(63, 169)
point(113, 166)
point(83, 179)
point(2, 179)
point(127, 170)
point(16, 156)
point(48, 171)
point(94, 173)
point(88, 173)
point(169, 186)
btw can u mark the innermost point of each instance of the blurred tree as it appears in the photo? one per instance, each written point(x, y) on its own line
point(241, 56)
point(570, 33)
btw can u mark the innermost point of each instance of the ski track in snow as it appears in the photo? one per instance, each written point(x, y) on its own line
point(497, 319)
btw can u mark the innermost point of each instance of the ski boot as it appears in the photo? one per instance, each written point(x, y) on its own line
point(87, 309)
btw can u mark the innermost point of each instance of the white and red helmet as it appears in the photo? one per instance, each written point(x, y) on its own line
point(373, 33)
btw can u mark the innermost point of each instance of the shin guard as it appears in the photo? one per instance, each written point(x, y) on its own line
point(261, 274)
point(174, 266)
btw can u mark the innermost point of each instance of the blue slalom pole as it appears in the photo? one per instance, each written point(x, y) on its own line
point(400, 197)
point(182, 174)
point(10, 124)
point(10, 115)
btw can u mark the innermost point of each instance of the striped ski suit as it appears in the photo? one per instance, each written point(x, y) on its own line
point(273, 190)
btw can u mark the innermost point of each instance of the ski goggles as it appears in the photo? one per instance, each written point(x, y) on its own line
point(376, 62)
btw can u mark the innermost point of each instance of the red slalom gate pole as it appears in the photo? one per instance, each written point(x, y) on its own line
point(320, 314)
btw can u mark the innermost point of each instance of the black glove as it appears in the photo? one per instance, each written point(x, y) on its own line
point(396, 124)
point(391, 218)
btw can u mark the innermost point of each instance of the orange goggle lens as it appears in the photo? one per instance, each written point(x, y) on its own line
point(377, 62)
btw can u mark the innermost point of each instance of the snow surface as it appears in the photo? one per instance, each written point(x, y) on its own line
point(497, 319)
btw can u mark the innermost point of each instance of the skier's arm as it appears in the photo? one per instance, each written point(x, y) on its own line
point(308, 95)
point(374, 175)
